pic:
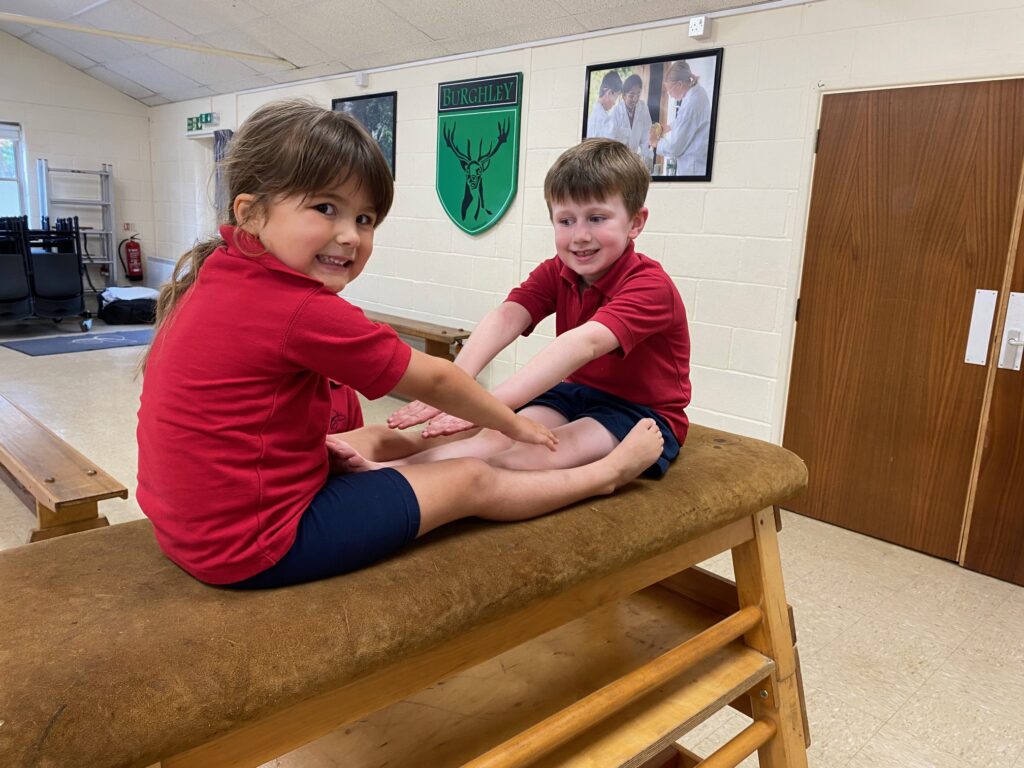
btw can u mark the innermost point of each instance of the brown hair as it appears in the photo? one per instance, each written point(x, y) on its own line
point(596, 169)
point(285, 148)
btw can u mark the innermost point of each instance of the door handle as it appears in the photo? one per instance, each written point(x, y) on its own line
point(1012, 348)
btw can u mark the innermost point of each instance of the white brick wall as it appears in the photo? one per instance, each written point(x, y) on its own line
point(733, 246)
point(75, 121)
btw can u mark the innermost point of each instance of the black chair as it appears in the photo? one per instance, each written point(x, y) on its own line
point(51, 262)
point(15, 290)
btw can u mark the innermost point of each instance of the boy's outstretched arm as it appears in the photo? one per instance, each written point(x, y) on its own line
point(566, 354)
point(558, 360)
point(498, 328)
point(443, 385)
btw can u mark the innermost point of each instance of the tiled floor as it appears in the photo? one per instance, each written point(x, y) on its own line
point(909, 662)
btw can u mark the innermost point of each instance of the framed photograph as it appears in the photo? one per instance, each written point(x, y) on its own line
point(376, 111)
point(664, 108)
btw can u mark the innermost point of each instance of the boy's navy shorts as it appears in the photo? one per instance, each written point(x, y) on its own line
point(618, 416)
point(353, 521)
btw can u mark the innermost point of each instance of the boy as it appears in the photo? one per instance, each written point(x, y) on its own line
point(622, 351)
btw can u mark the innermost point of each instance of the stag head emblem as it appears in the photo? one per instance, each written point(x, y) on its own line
point(475, 167)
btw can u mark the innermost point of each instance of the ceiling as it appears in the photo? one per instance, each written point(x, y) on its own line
point(314, 38)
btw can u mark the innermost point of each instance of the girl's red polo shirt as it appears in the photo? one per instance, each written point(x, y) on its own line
point(236, 406)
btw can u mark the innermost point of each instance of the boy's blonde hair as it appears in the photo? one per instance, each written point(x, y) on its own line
point(597, 169)
point(286, 148)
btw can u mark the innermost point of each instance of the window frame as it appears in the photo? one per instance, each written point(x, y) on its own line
point(13, 132)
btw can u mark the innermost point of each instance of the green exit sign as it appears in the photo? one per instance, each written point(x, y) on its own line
point(201, 121)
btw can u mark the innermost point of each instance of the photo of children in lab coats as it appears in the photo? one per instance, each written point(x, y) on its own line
point(664, 109)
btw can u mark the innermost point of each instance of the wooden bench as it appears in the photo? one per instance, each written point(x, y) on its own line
point(582, 638)
point(50, 476)
point(438, 339)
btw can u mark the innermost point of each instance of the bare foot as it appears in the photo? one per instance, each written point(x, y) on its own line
point(345, 459)
point(637, 451)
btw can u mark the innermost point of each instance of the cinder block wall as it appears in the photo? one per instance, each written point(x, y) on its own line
point(733, 246)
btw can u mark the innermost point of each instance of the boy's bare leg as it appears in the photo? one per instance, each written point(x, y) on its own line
point(456, 488)
point(579, 442)
point(403, 448)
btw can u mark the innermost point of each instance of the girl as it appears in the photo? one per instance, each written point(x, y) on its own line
point(234, 471)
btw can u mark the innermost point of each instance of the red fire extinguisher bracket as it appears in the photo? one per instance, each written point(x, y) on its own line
point(129, 251)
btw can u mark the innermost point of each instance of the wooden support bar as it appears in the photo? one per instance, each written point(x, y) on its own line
point(716, 592)
point(740, 746)
point(574, 720)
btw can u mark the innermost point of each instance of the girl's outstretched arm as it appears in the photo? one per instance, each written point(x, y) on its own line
point(445, 386)
point(499, 328)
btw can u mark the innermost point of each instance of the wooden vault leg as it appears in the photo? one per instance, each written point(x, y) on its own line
point(70, 518)
point(759, 583)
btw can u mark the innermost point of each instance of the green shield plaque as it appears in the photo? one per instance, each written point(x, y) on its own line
point(478, 149)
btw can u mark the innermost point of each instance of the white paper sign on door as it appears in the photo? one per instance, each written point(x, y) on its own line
point(981, 327)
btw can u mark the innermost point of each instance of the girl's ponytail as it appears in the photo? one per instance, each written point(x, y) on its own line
point(182, 278)
point(184, 274)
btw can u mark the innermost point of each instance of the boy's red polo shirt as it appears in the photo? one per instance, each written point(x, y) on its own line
point(638, 302)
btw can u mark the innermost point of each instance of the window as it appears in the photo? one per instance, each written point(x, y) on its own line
point(12, 175)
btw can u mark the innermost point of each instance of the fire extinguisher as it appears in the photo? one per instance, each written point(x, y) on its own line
point(132, 254)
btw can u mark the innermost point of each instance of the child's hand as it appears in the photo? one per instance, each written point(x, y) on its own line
point(529, 431)
point(412, 414)
point(343, 457)
point(446, 424)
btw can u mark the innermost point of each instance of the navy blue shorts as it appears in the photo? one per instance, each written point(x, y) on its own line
point(618, 416)
point(353, 521)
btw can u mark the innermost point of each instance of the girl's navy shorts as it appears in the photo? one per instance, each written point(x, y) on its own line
point(618, 416)
point(354, 521)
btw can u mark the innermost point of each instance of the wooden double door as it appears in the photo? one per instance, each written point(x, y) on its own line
point(914, 238)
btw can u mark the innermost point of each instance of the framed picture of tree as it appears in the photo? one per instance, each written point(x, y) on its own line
point(376, 111)
point(664, 108)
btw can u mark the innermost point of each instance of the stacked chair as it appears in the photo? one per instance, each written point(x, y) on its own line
point(15, 290)
point(41, 271)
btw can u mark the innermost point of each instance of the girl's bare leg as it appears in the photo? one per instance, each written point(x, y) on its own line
point(465, 487)
point(377, 443)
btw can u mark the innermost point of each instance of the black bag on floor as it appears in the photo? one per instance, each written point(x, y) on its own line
point(124, 311)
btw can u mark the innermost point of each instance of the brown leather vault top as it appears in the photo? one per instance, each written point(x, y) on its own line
point(110, 655)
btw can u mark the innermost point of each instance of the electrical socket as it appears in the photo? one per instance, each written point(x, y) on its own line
point(127, 226)
point(700, 27)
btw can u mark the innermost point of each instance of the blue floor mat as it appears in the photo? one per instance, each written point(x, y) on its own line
point(58, 345)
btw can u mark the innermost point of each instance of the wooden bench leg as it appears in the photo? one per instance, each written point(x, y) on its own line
point(438, 349)
point(71, 518)
point(759, 583)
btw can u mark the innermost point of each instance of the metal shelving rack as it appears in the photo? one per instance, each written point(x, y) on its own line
point(95, 212)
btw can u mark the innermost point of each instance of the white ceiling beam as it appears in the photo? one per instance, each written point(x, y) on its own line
point(36, 22)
